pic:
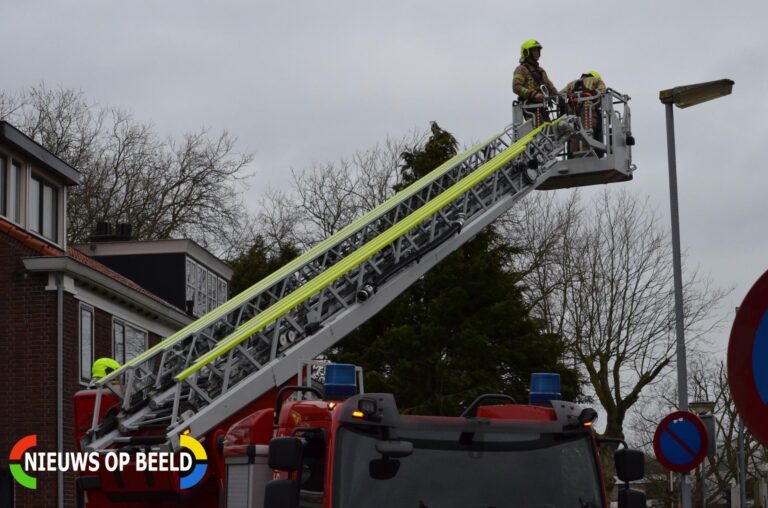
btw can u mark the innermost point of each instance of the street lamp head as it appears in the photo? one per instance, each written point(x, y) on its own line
point(690, 95)
point(701, 407)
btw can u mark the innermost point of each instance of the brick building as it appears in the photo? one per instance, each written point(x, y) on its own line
point(61, 309)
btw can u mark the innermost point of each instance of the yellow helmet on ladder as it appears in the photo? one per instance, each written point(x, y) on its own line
point(594, 74)
point(103, 367)
point(527, 46)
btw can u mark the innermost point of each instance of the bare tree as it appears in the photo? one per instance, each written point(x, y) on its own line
point(326, 197)
point(540, 228)
point(164, 188)
point(64, 122)
point(709, 381)
point(378, 170)
point(280, 219)
point(601, 277)
point(10, 102)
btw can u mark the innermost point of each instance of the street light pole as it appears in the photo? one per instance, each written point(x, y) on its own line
point(682, 365)
point(705, 410)
point(742, 467)
point(683, 97)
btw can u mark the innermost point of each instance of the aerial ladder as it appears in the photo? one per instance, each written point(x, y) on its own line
point(215, 370)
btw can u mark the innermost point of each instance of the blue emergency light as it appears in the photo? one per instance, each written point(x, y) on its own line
point(545, 387)
point(340, 381)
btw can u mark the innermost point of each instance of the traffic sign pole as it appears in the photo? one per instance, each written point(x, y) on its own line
point(682, 374)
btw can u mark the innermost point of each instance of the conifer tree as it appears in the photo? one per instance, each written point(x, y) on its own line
point(461, 330)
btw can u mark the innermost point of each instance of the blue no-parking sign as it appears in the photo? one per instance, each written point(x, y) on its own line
point(681, 441)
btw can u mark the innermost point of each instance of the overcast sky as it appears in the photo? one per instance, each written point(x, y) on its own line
point(307, 80)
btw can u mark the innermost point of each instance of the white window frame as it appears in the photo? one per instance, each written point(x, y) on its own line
point(4, 185)
point(222, 291)
point(14, 181)
point(81, 308)
point(58, 194)
point(16, 196)
point(205, 290)
point(17, 191)
point(125, 323)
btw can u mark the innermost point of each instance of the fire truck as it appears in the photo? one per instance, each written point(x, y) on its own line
point(345, 449)
point(219, 382)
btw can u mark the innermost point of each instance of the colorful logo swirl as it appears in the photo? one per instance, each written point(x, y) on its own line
point(18, 450)
point(197, 473)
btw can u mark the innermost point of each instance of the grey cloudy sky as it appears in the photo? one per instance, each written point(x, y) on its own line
point(309, 80)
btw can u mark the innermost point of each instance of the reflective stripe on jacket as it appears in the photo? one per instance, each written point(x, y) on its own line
point(528, 79)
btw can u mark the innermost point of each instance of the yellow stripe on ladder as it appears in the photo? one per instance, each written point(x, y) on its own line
point(235, 302)
point(356, 258)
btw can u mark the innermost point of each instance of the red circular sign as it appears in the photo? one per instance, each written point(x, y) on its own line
point(748, 360)
point(680, 442)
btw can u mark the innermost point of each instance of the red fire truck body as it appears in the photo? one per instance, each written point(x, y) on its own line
point(362, 452)
point(129, 488)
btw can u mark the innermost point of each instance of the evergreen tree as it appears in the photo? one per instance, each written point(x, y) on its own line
point(461, 330)
point(258, 262)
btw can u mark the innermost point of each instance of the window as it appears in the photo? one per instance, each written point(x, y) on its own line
point(3, 184)
point(201, 303)
point(34, 205)
point(48, 223)
point(15, 187)
point(205, 289)
point(86, 342)
point(12, 183)
point(43, 208)
point(212, 284)
point(127, 341)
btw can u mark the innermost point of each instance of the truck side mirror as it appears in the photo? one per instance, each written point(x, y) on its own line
point(631, 498)
point(285, 453)
point(281, 494)
point(630, 464)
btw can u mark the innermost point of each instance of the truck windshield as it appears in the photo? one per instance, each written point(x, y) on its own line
point(451, 469)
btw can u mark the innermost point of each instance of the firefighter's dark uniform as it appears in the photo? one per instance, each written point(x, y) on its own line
point(527, 81)
point(588, 111)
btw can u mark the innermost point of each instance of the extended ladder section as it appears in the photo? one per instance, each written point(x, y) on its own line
point(225, 360)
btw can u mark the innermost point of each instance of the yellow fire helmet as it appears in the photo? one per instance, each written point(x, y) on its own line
point(527, 46)
point(103, 367)
point(594, 74)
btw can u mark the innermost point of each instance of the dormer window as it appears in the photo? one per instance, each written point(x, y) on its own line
point(29, 199)
point(43, 208)
point(33, 186)
point(179, 271)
